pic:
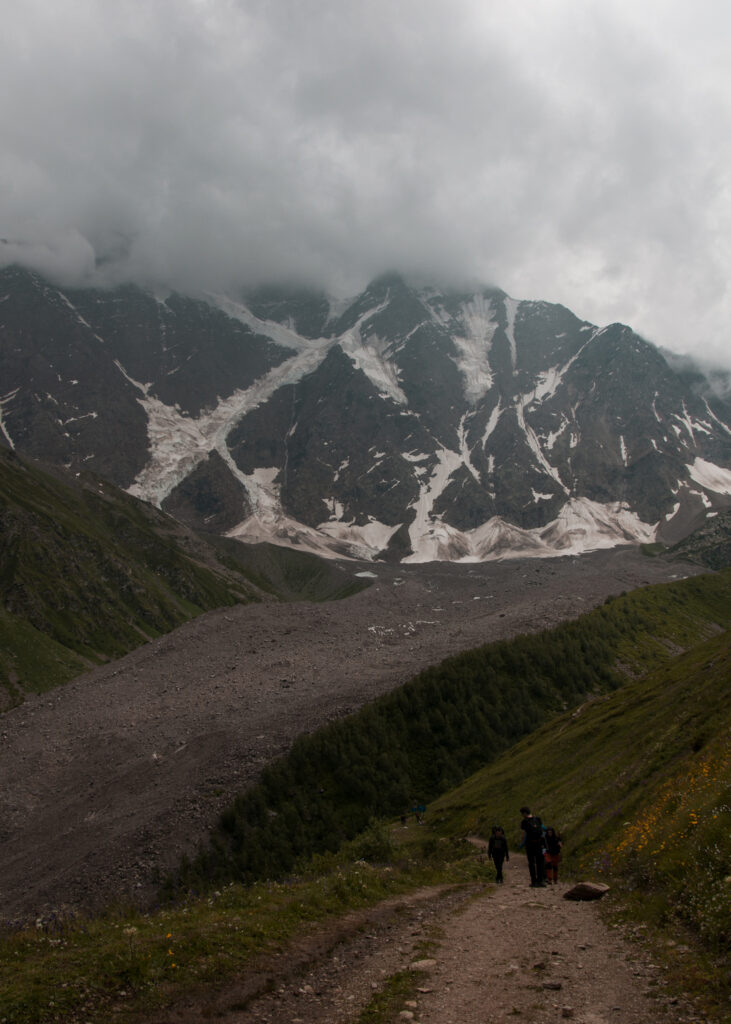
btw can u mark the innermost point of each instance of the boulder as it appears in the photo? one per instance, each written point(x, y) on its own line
point(587, 891)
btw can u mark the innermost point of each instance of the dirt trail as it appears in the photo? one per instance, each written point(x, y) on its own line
point(489, 955)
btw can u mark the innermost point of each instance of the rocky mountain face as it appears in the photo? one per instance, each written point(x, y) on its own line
point(409, 423)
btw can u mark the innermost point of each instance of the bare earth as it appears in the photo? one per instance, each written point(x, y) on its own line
point(494, 954)
point(118, 773)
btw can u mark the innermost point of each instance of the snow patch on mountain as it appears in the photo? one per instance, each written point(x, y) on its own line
point(584, 525)
point(85, 323)
point(711, 413)
point(685, 420)
point(534, 445)
point(550, 439)
point(178, 443)
point(4, 401)
point(581, 526)
point(511, 308)
point(713, 478)
point(363, 541)
point(280, 334)
point(465, 453)
point(548, 382)
point(329, 540)
point(371, 354)
point(473, 345)
point(492, 422)
point(623, 449)
point(447, 462)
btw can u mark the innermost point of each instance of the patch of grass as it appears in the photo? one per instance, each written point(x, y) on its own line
point(130, 963)
point(34, 658)
point(385, 1005)
point(652, 550)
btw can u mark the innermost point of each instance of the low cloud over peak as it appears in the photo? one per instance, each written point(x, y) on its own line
point(565, 151)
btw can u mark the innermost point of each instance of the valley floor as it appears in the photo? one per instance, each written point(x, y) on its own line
point(494, 954)
point(112, 777)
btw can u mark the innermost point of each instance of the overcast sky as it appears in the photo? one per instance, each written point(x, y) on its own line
point(577, 151)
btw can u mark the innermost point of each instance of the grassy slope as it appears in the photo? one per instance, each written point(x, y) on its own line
point(439, 728)
point(638, 781)
point(639, 784)
point(88, 573)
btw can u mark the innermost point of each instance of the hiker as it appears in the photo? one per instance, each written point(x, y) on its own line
point(553, 854)
point(497, 850)
point(532, 840)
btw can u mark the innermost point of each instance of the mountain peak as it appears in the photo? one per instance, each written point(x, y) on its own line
point(411, 421)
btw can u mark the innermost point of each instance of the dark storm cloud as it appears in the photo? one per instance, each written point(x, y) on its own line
point(567, 150)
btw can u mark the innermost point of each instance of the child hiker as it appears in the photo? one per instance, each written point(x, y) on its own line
point(497, 850)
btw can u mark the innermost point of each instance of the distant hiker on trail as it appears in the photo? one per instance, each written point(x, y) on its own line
point(419, 810)
point(532, 839)
point(497, 850)
point(553, 854)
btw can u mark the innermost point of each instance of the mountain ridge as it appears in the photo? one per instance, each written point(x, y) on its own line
point(408, 423)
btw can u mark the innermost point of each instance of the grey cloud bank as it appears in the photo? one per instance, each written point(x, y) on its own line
point(567, 149)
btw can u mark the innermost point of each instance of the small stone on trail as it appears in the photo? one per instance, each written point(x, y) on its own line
point(567, 1011)
point(422, 965)
point(554, 986)
point(406, 1015)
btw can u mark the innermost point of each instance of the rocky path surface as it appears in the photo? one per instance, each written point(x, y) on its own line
point(489, 955)
point(118, 773)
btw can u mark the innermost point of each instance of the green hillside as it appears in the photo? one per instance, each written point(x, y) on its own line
point(639, 785)
point(638, 781)
point(88, 573)
point(430, 734)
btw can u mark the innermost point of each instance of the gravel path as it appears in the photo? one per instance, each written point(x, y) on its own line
point(492, 954)
point(122, 770)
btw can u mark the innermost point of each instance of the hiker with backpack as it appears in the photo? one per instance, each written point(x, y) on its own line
point(497, 850)
point(533, 842)
point(553, 854)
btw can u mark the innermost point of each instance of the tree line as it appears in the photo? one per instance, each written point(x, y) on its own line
point(430, 734)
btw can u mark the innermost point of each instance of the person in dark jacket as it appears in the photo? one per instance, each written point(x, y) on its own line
point(497, 850)
point(553, 854)
point(531, 841)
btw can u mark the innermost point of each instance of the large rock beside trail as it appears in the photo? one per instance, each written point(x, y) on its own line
point(587, 891)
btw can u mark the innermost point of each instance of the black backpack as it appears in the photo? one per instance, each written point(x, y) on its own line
point(533, 827)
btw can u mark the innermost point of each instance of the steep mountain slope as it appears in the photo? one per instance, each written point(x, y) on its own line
point(710, 545)
point(408, 423)
point(87, 573)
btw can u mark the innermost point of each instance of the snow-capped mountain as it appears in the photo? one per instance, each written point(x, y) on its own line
point(409, 423)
